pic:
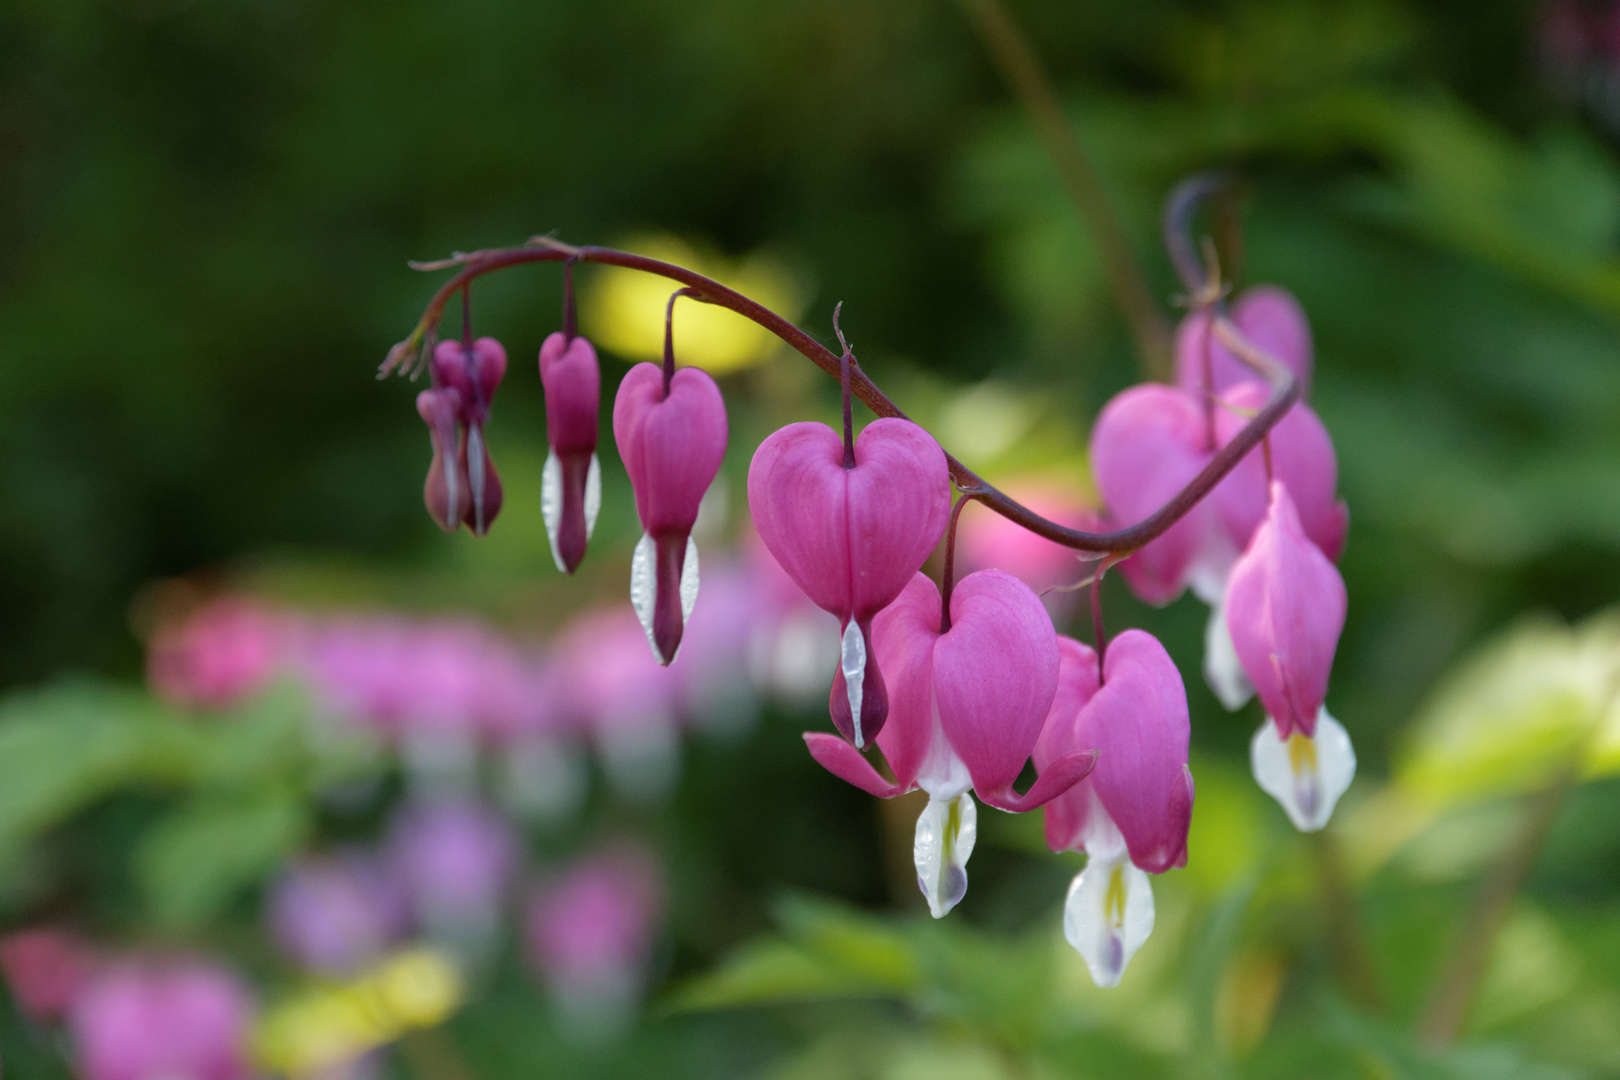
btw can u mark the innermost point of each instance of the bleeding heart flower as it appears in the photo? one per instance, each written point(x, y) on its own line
point(966, 707)
point(672, 438)
point(1270, 317)
point(571, 486)
point(160, 1018)
point(1131, 814)
point(851, 536)
point(462, 462)
point(1149, 442)
point(1285, 609)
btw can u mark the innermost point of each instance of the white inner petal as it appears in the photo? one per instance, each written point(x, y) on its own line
point(689, 581)
point(551, 504)
point(946, 831)
point(1107, 916)
point(942, 774)
point(644, 586)
point(1222, 668)
point(593, 496)
point(475, 473)
point(852, 660)
point(1306, 775)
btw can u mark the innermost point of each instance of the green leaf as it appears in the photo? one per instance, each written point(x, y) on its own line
point(194, 861)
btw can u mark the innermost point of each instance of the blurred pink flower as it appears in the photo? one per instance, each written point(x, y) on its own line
point(590, 932)
point(161, 1020)
point(45, 969)
point(335, 914)
point(455, 859)
point(220, 654)
point(988, 541)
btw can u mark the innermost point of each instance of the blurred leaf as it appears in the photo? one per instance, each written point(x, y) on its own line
point(1514, 712)
point(195, 860)
point(67, 745)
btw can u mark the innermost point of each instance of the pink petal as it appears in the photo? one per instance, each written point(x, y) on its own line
point(1078, 680)
point(845, 762)
point(1060, 778)
point(1139, 722)
point(903, 637)
point(1270, 317)
point(995, 674)
point(1302, 458)
point(1150, 440)
point(573, 384)
point(672, 446)
point(850, 538)
point(1285, 606)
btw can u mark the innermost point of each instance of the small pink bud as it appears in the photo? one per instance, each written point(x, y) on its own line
point(156, 1020)
point(851, 538)
point(446, 492)
point(672, 445)
point(473, 374)
point(1285, 608)
point(1268, 316)
point(1149, 442)
point(571, 487)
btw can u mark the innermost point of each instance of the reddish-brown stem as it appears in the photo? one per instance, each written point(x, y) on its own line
point(466, 319)
point(844, 358)
point(1099, 634)
point(948, 584)
point(570, 326)
point(1284, 387)
point(669, 337)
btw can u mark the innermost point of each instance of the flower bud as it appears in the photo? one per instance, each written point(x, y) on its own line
point(571, 487)
point(473, 374)
point(1285, 608)
point(672, 442)
point(851, 537)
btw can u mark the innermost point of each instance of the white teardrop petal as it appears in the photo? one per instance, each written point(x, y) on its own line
point(946, 832)
point(1222, 668)
point(852, 660)
point(644, 586)
point(1107, 916)
point(689, 581)
point(593, 496)
point(551, 504)
point(1306, 775)
point(475, 474)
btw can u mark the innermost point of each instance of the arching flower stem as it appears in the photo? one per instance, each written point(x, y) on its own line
point(949, 577)
point(405, 357)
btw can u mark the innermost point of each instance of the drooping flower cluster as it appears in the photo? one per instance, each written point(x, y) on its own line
point(1224, 482)
point(1259, 550)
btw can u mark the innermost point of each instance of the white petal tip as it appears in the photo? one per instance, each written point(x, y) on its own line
point(551, 504)
point(852, 661)
point(946, 832)
point(644, 587)
point(1107, 916)
point(1305, 774)
point(1222, 668)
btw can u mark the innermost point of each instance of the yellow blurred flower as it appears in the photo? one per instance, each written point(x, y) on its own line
point(623, 310)
point(330, 1025)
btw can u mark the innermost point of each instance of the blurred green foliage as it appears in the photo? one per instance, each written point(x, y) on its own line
point(205, 209)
